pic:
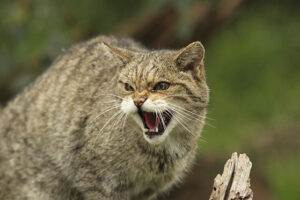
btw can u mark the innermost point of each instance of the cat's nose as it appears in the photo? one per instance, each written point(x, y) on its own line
point(139, 101)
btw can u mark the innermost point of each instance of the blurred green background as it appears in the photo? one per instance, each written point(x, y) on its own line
point(252, 64)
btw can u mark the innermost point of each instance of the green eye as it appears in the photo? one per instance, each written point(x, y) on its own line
point(128, 87)
point(161, 86)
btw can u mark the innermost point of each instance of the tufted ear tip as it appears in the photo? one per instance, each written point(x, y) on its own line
point(191, 57)
point(194, 52)
point(123, 54)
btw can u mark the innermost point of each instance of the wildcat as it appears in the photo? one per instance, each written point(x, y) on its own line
point(109, 119)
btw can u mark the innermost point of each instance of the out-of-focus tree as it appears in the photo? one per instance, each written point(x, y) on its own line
point(32, 32)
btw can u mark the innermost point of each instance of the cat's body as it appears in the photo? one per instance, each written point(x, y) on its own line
point(70, 135)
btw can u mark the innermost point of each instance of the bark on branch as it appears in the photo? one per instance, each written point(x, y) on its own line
point(234, 183)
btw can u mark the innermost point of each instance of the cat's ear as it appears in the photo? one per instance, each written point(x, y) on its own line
point(124, 55)
point(191, 57)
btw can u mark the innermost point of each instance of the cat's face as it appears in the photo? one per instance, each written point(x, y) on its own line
point(163, 89)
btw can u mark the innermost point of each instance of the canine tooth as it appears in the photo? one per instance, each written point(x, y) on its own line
point(146, 130)
point(156, 130)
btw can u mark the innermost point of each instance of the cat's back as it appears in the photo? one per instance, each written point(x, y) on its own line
point(79, 67)
point(69, 87)
point(83, 71)
point(84, 67)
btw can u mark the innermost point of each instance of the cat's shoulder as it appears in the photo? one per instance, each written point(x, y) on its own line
point(124, 42)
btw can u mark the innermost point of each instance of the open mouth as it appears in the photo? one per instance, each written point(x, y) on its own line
point(155, 123)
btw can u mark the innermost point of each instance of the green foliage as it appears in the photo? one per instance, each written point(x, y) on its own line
point(253, 72)
point(33, 32)
point(283, 175)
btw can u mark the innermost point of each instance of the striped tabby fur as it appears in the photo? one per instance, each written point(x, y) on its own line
point(75, 133)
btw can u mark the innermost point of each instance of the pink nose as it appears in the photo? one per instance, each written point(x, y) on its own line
point(139, 101)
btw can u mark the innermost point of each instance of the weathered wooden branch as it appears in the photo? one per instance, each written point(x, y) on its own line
point(234, 183)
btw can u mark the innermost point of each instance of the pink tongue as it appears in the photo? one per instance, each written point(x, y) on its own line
point(152, 121)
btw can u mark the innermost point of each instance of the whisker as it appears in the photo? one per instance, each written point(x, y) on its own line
point(117, 100)
point(112, 95)
point(123, 126)
point(187, 115)
point(183, 109)
point(156, 115)
point(202, 139)
point(109, 120)
point(117, 113)
point(182, 124)
point(162, 119)
point(118, 120)
point(181, 95)
point(188, 111)
point(182, 115)
point(177, 119)
point(109, 109)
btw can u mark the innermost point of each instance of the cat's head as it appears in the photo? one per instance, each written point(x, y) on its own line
point(163, 89)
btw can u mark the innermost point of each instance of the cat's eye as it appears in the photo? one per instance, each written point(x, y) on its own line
point(128, 87)
point(161, 86)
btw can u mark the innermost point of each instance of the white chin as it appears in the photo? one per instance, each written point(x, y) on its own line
point(156, 139)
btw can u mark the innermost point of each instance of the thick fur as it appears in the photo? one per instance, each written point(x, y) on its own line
point(74, 133)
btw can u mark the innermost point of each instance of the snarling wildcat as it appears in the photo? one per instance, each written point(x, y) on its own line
point(109, 119)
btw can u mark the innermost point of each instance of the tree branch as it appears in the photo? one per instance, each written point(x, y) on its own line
point(234, 183)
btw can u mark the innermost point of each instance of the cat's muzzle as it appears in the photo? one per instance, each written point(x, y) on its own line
point(155, 123)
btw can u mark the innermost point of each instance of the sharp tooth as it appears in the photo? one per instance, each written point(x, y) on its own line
point(156, 130)
point(146, 130)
